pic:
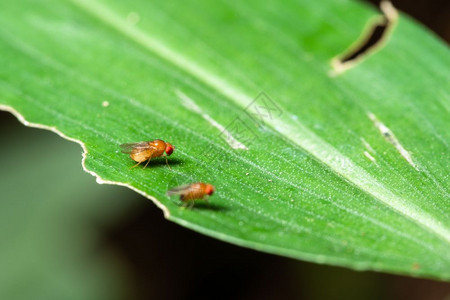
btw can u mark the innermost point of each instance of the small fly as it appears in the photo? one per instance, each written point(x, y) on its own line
point(191, 192)
point(145, 151)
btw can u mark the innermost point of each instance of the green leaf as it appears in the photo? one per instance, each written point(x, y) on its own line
point(348, 169)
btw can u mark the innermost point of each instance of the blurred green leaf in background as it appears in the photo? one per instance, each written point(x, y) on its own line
point(51, 215)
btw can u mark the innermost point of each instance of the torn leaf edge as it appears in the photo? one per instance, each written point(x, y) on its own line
point(98, 178)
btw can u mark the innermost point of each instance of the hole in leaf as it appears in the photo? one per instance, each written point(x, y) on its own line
point(373, 38)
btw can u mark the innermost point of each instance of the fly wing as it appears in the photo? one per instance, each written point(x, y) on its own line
point(135, 147)
point(178, 190)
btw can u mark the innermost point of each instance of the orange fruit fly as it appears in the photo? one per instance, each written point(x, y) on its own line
point(145, 151)
point(191, 192)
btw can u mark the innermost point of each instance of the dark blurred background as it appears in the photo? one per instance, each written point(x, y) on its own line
point(434, 14)
point(66, 237)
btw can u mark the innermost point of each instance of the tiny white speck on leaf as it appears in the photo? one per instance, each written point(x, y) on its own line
point(133, 18)
point(105, 103)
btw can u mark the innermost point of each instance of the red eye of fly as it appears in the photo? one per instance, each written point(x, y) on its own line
point(169, 149)
point(209, 190)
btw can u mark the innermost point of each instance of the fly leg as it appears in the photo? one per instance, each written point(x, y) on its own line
point(136, 165)
point(188, 204)
point(167, 162)
point(191, 205)
point(207, 201)
point(147, 162)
